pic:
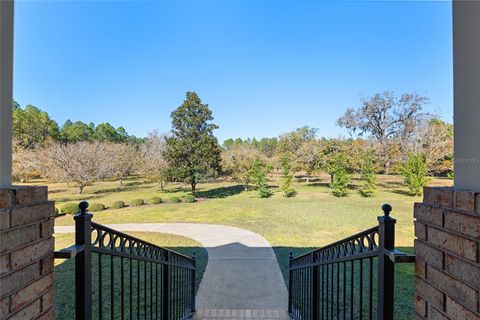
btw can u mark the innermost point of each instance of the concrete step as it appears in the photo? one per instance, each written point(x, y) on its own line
point(234, 314)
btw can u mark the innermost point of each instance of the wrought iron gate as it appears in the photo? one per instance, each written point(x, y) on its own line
point(349, 279)
point(118, 276)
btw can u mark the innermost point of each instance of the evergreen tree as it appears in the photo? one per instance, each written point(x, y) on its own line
point(368, 175)
point(340, 176)
point(287, 178)
point(259, 173)
point(414, 171)
point(192, 149)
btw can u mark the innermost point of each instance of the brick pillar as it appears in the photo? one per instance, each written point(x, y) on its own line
point(26, 253)
point(447, 267)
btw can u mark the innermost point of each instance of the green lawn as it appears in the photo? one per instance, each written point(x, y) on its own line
point(311, 219)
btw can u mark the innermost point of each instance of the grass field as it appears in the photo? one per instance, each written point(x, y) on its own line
point(311, 219)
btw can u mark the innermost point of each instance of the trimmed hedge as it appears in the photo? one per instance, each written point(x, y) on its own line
point(189, 199)
point(70, 208)
point(137, 202)
point(174, 200)
point(156, 200)
point(95, 207)
point(118, 204)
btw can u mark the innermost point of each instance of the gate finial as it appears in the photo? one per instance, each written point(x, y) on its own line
point(83, 207)
point(386, 209)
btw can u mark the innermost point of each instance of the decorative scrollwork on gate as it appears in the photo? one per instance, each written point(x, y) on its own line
point(361, 243)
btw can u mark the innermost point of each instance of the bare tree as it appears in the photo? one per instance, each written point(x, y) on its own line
point(80, 162)
point(385, 117)
point(434, 139)
point(308, 157)
point(153, 163)
point(124, 159)
point(24, 162)
point(238, 160)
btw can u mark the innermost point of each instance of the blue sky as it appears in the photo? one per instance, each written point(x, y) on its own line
point(264, 67)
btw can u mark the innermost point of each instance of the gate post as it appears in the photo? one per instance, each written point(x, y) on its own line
point(315, 289)
point(166, 288)
point(83, 264)
point(193, 281)
point(290, 282)
point(386, 235)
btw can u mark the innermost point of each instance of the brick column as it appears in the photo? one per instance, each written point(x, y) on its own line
point(447, 267)
point(26, 253)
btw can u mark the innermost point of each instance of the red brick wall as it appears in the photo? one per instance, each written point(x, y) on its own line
point(26, 254)
point(447, 267)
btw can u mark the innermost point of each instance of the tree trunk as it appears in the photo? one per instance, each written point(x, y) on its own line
point(308, 178)
point(194, 184)
point(161, 185)
point(121, 182)
point(80, 188)
point(387, 166)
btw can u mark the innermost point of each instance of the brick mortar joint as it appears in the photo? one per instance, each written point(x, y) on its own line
point(36, 261)
point(445, 273)
point(41, 294)
point(11, 314)
point(29, 245)
point(49, 309)
point(446, 294)
point(476, 264)
point(449, 231)
point(39, 240)
point(6, 230)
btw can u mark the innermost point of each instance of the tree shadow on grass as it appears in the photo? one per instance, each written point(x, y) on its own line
point(125, 188)
point(222, 192)
point(176, 189)
point(319, 184)
point(390, 184)
point(78, 197)
point(402, 192)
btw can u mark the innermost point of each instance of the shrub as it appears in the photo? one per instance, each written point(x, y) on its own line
point(118, 204)
point(259, 173)
point(156, 200)
point(189, 199)
point(95, 207)
point(174, 200)
point(287, 178)
point(414, 171)
point(137, 202)
point(70, 208)
point(368, 175)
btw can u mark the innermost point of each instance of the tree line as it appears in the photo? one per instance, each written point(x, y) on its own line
point(389, 134)
point(32, 126)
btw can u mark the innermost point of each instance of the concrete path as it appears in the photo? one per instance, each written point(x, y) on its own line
point(242, 273)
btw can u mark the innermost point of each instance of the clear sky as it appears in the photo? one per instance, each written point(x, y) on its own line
point(264, 67)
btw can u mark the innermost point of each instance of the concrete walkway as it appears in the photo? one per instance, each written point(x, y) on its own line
point(242, 274)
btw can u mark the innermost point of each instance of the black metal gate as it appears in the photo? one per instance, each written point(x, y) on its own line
point(118, 276)
point(349, 279)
